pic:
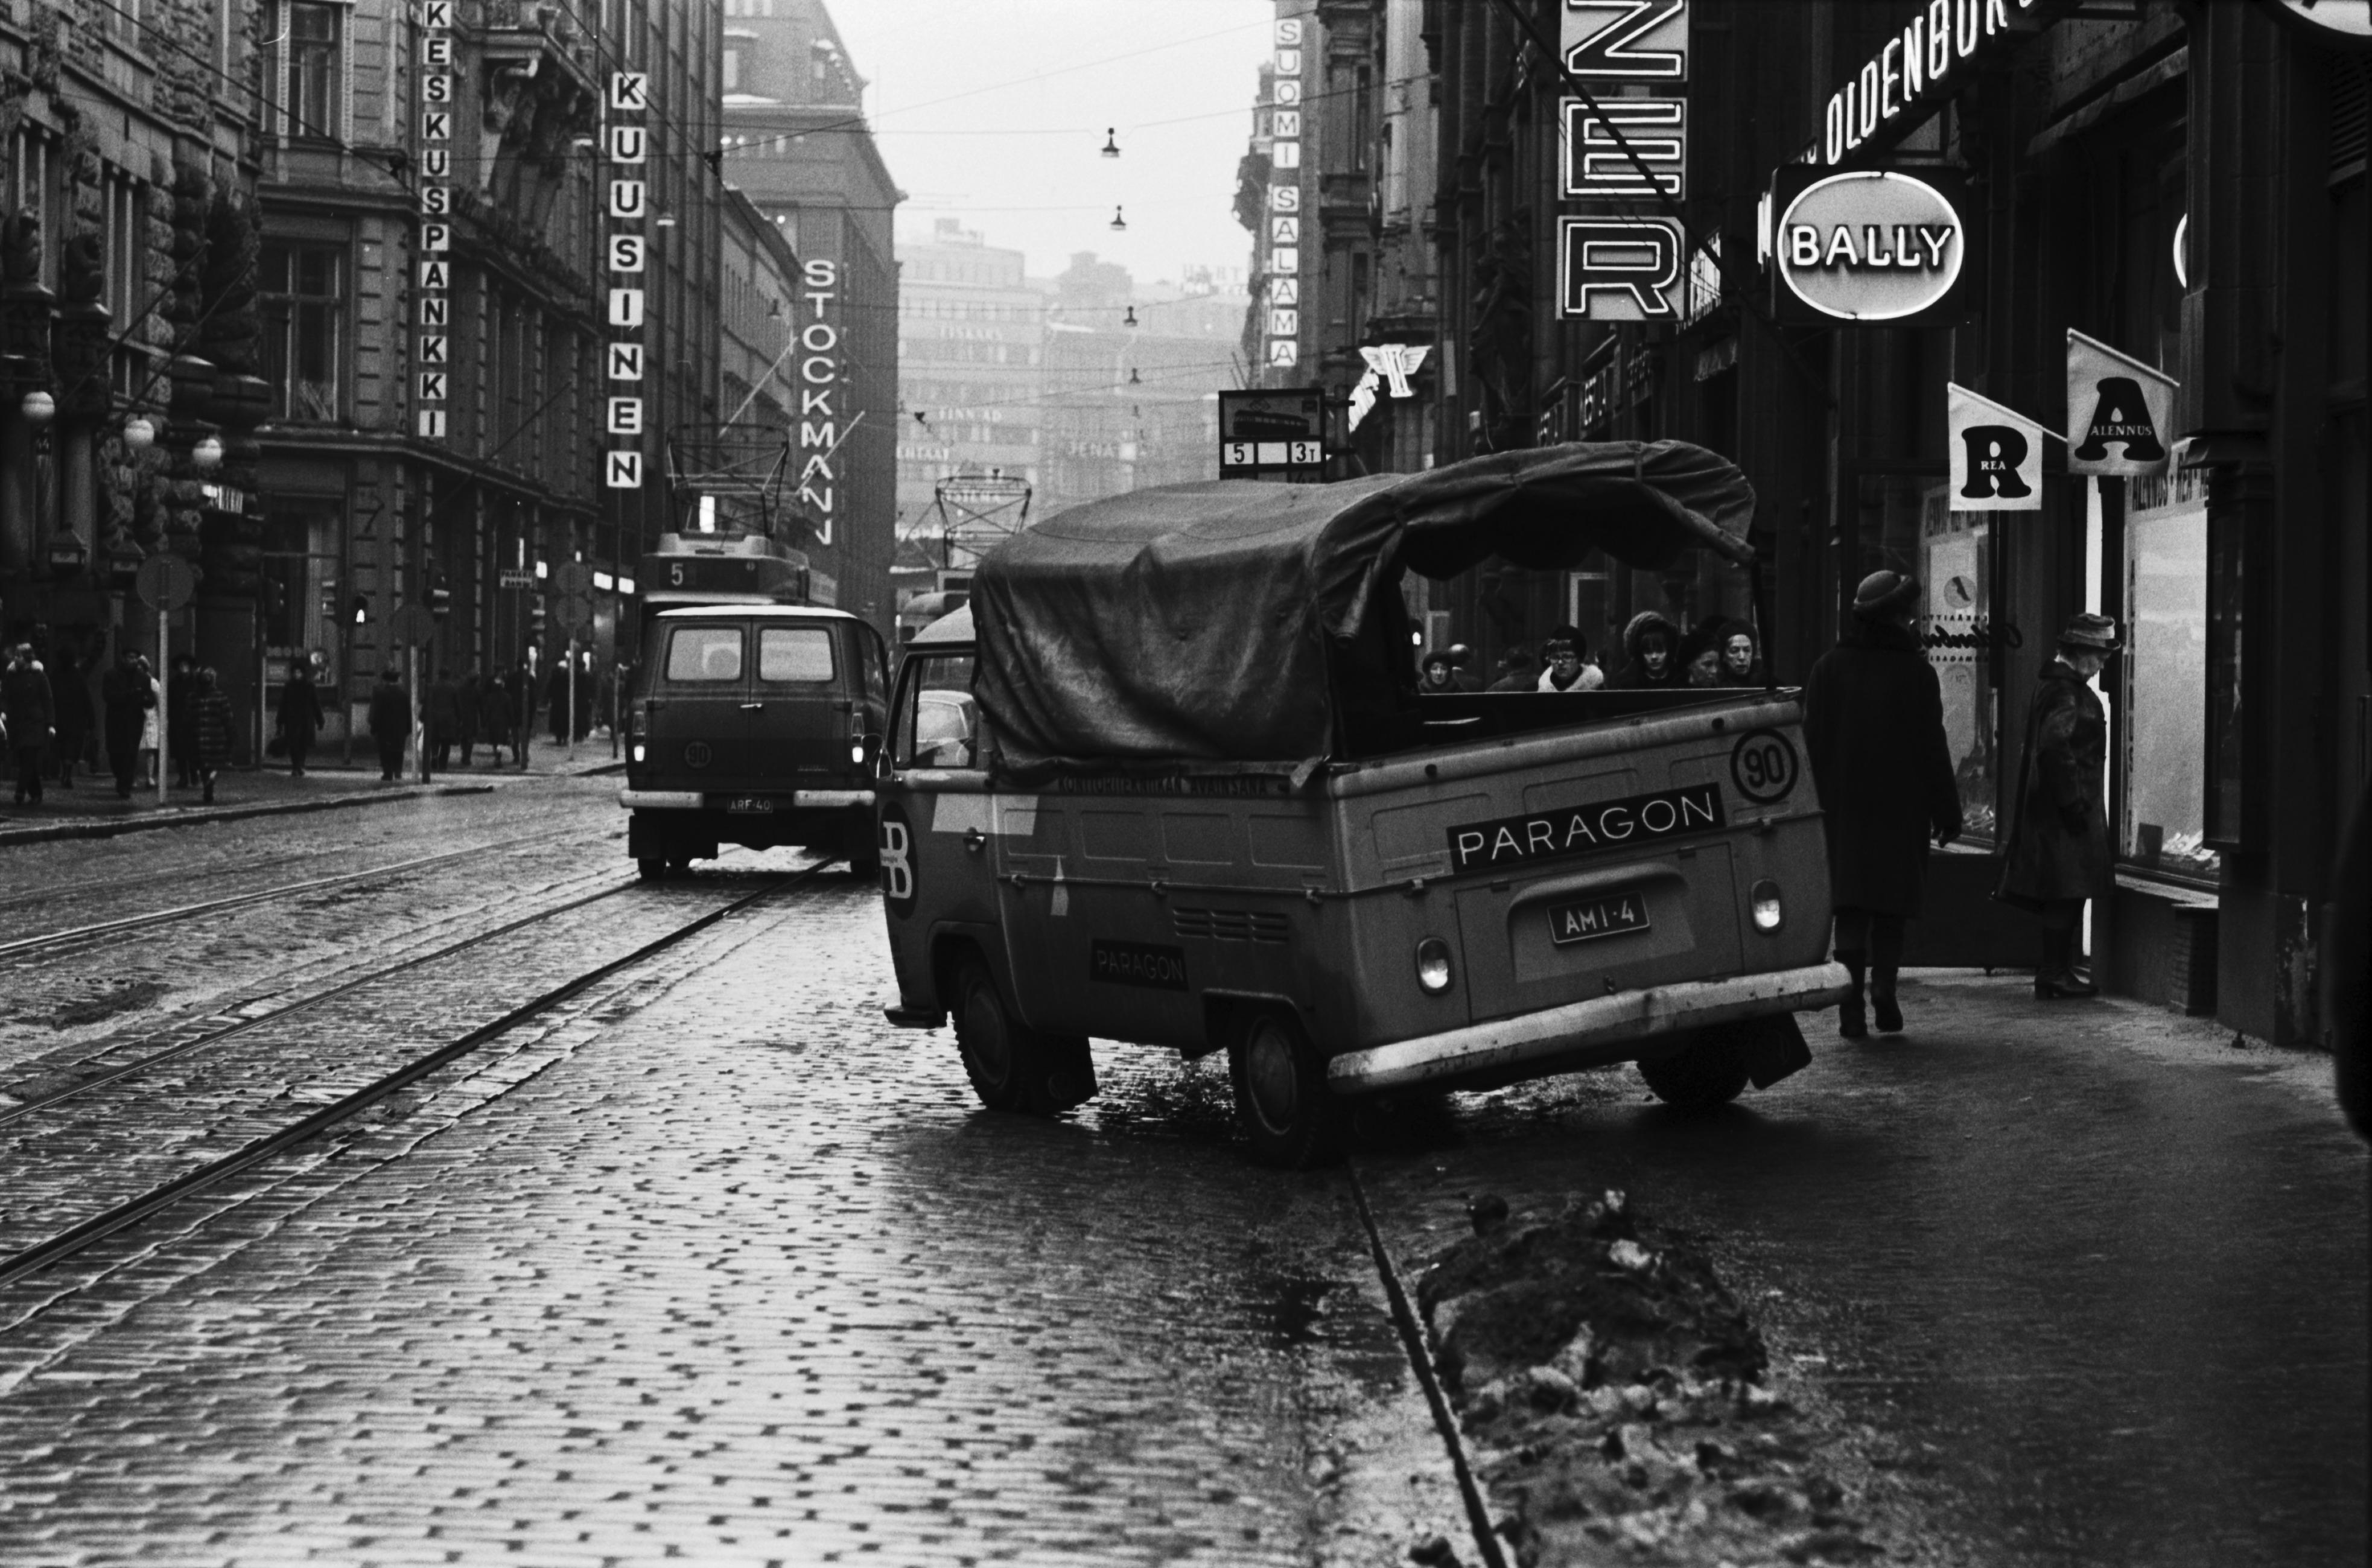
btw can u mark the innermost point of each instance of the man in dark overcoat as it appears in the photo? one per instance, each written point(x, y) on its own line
point(1873, 725)
point(300, 715)
point(390, 722)
point(2059, 853)
point(126, 692)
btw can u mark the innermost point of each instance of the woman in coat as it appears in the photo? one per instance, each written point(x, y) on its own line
point(300, 716)
point(1652, 645)
point(210, 729)
point(2059, 853)
point(1873, 725)
point(70, 689)
point(495, 716)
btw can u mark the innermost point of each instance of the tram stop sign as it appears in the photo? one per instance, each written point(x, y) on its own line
point(165, 583)
point(415, 625)
point(574, 614)
point(572, 579)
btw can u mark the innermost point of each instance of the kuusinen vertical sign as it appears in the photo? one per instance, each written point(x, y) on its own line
point(625, 257)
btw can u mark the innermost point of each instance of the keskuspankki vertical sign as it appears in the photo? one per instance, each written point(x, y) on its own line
point(432, 358)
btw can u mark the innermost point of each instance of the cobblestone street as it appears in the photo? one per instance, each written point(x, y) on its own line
point(711, 1262)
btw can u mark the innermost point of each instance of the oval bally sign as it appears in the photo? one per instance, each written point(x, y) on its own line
point(1874, 246)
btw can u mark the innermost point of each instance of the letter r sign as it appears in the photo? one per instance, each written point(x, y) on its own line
point(1620, 269)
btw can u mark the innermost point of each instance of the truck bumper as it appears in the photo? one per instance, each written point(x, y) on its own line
point(1598, 1032)
point(693, 800)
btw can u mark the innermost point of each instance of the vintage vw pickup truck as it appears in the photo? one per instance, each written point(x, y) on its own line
point(1167, 779)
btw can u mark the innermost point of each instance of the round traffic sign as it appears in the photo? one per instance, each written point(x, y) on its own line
point(415, 626)
point(165, 582)
point(573, 579)
point(573, 614)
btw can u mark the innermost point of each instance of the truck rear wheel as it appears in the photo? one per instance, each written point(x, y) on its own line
point(1011, 1065)
point(1292, 1119)
point(651, 868)
point(1711, 1070)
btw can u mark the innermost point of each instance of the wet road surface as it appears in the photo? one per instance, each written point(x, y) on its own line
point(2105, 1274)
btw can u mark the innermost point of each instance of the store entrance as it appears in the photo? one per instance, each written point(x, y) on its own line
point(1901, 521)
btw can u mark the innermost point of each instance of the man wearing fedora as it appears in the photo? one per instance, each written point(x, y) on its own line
point(2059, 853)
point(1874, 727)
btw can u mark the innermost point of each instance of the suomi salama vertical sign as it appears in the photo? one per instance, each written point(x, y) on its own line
point(1281, 233)
point(624, 257)
point(432, 357)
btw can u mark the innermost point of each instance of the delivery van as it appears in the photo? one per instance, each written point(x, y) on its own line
point(754, 725)
point(1167, 779)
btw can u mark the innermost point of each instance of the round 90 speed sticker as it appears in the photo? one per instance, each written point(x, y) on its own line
point(1763, 767)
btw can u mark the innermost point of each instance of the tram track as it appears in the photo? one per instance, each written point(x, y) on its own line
point(97, 931)
point(34, 1257)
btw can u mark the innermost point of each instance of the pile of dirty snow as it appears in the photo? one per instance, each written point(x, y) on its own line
point(1612, 1393)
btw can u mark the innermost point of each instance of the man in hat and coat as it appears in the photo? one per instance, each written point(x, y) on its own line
point(2059, 853)
point(1873, 725)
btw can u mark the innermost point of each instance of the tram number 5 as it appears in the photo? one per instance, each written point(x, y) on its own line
point(1763, 766)
point(897, 861)
point(675, 574)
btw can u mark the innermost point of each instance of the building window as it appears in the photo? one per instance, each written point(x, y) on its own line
point(122, 21)
point(313, 68)
point(305, 306)
point(732, 70)
point(126, 276)
point(33, 186)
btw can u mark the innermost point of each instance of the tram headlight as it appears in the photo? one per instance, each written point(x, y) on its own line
point(1433, 971)
point(1764, 899)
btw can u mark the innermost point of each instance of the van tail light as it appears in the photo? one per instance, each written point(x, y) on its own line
point(1432, 970)
point(1768, 910)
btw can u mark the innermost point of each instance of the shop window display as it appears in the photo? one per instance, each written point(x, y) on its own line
point(2165, 677)
point(1955, 571)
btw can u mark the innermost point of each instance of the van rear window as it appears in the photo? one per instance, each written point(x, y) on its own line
point(795, 655)
point(697, 655)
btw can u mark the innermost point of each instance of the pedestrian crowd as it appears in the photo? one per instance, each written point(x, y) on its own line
point(1656, 656)
point(50, 723)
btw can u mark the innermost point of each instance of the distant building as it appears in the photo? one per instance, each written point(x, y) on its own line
point(797, 142)
point(971, 334)
point(756, 367)
point(1132, 383)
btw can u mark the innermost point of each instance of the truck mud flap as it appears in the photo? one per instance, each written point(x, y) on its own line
point(1778, 1051)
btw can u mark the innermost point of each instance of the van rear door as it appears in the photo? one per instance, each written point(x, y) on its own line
point(698, 732)
point(798, 704)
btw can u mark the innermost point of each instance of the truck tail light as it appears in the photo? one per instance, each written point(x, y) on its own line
point(1433, 972)
point(1768, 912)
point(638, 750)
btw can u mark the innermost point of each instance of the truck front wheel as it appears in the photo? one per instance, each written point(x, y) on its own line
point(1292, 1119)
point(1709, 1070)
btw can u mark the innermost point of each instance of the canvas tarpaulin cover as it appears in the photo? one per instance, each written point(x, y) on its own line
point(1192, 622)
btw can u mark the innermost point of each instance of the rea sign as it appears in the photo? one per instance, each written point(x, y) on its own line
point(1883, 246)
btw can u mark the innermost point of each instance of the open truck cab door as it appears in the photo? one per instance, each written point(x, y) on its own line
point(1166, 781)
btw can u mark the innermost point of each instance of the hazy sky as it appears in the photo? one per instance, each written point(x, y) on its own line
point(993, 111)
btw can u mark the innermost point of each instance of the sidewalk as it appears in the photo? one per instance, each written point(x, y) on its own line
point(92, 810)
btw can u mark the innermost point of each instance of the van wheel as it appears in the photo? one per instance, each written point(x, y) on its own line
point(1290, 1118)
point(1011, 1065)
point(1710, 1071)
point(651, 868)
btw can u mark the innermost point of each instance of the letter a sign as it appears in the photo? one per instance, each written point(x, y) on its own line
point(2119, 410)
point(1996, 455)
